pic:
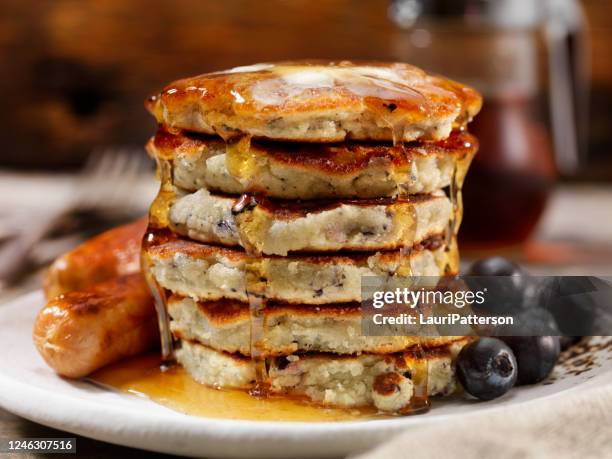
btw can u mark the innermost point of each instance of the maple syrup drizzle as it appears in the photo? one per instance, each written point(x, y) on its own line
point(239, 159)
point(405, 174)
point(460, 167)
point(419, 401)
point(255, 287)
point(163, 320)
point(157, 229)
point(239, 162)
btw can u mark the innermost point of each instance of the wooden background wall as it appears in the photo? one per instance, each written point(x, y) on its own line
point(74, 73)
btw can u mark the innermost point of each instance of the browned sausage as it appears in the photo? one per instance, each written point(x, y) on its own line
point(113, 253)
point(81, 331)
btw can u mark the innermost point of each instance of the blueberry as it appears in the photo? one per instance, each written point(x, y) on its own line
point(568, 341)
point(576, 303)
point(506, 295)
point(486, 368)
point(536, 356)
point(495, 266)
point(534, 321)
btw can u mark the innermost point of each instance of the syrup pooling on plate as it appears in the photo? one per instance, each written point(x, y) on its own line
point(175, 389)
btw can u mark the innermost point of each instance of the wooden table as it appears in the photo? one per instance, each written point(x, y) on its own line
point(12, 426)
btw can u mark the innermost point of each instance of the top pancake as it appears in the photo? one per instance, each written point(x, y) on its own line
point(318, 102)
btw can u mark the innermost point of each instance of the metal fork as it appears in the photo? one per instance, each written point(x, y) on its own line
point(103, 184)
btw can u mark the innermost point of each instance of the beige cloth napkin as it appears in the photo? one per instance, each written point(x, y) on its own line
point(563, 426)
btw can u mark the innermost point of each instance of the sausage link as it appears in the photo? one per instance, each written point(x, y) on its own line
point(81, 331)
point(113, 253)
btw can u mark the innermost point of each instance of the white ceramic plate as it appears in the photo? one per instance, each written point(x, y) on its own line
point(30, 389)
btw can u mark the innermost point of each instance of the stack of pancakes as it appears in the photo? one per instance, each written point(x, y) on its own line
point(284, 184)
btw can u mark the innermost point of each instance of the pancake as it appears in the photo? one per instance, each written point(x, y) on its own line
point(312, 171)
point(318, 102)
point(208, 272)
point(383, 381)
point(277, 228)
point(225, 325)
